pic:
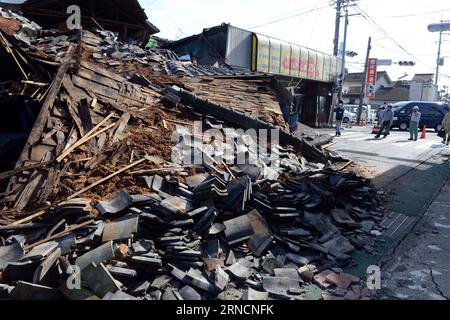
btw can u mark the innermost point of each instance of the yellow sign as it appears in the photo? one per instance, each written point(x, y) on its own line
point(303, 64)
point(319, 67)
point(312, 65)
point(275, 56)
point(278, 57)
point(295, 61)
point(326, 69)
point(285, 61)
point(262, 45)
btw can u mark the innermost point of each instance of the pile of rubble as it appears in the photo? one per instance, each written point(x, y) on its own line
point(103, 196)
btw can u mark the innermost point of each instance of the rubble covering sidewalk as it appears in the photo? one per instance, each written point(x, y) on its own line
point(97, 185)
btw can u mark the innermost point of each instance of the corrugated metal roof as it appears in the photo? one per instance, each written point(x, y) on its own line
point(239, 47)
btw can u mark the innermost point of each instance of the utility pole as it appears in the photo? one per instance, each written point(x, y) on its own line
point(340, 4)
point(439, 27)
point(363, 87)
point(344, 52)
point(438, 61)
point(337, 94)
point(337, 27)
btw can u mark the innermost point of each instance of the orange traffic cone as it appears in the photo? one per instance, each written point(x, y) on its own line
point(424, 132)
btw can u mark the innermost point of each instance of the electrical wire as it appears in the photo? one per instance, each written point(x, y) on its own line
point(304, 18)
point(314, 28)
point(387, 35)
point(288, 18)
point(279, 16)
point(414, 14)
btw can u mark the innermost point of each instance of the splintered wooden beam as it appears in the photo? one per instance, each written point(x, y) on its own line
point(29, 218)
point(11, 52)
point(60, 234)
point(84, 139)
point(106, 178)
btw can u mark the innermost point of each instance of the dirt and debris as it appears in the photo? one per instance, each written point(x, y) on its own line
point(106, 182)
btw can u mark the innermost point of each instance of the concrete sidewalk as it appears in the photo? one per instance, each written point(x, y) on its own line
point(419, 269)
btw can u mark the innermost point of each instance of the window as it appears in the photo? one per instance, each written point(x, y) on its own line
point(428, 110)
point(406, 110)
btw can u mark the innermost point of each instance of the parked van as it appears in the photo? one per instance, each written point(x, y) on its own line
point(433, 114)
point(366, 115)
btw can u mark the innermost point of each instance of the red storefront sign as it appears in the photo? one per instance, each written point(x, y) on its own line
point(371, 78)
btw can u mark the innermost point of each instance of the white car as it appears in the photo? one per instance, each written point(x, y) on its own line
point(349, 117)
point(352, 113)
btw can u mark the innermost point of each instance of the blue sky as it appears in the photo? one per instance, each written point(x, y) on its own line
point(399, 32)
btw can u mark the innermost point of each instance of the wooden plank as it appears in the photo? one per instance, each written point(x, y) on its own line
point(101, 71)
point(60, 234)
point(74, 92)
point(95, 87)
point(89, 75)
point(74, 114)
point(41, 120)
point(8, 174)
point(345, 165)
point(120, 127)
point(84, 139)
point(31, 188)
point(326, 146)
point(54, 173)
point(10, 50)
point(78, 193)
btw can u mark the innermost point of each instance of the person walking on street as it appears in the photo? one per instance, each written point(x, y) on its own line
point(386, 122)
point(339, 117)
point(446, 128)
point(381, 113)
point(414, 124)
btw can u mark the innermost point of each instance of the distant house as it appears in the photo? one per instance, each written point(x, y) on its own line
point(423, 88)
point(396, 92)
point(127, 18)
point(420, 88)
point(353, 82)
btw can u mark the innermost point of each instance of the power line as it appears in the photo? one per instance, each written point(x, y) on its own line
point(304, 18)
point(414, 14)
point(279, 16)
point(383, 32)
point(287, 18)
point(387, 35)
point(314, 28)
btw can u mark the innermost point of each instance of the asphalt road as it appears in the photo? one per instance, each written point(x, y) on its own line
point(385, 159)
point(416, 263)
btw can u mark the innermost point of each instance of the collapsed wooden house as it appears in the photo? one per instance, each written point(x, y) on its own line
point(86, 111)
